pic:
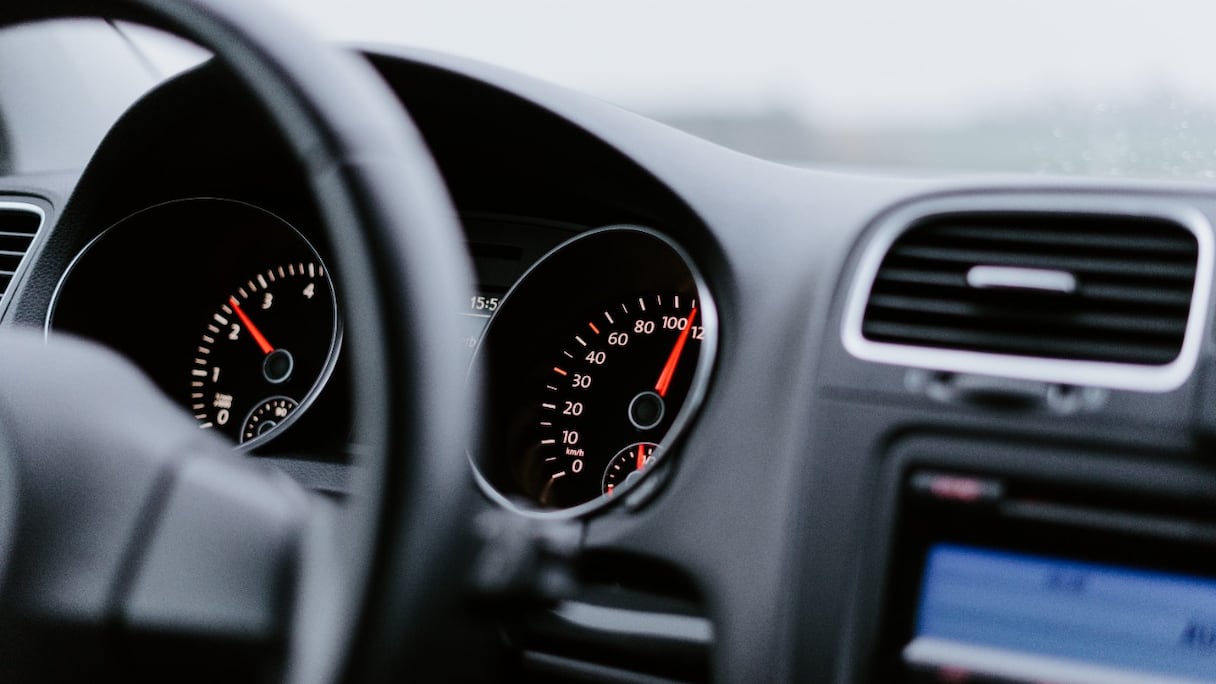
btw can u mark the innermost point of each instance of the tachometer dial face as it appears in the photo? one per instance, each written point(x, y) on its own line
point(595, 362)
point(263, 348)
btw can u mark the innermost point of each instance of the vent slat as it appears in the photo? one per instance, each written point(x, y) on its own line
point(19, 222)
point(1030, 237)
point(1077, 264)
point(967, 312)
point(1060, 348)
point(1138, 295)
point(1135, 278)
point(908, 276)
point(1175, 294)
point(17, 244)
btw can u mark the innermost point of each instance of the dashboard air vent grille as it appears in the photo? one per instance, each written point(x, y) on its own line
point(1090, 287)
point(19, 223)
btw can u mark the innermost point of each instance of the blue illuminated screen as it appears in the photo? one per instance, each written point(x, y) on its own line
point(1037, 618)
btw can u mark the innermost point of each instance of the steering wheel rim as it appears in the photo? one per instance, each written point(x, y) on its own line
point(382, 570)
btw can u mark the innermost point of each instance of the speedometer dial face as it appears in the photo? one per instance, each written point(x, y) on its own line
point(595, 363)
point(616, 382)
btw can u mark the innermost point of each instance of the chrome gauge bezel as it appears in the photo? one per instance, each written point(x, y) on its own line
point(667, 449)
point(300, 242)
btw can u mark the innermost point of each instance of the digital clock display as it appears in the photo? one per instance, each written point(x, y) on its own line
point(479, 306)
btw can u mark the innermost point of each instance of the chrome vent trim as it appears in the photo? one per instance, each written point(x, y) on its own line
point(1115, 375)
point(20, 223)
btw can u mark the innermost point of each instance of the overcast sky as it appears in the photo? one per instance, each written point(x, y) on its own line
point(866, 61)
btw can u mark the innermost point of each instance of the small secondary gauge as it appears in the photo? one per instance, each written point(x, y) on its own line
point(628, 464)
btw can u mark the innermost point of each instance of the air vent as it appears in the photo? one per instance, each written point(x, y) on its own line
point(1070, 297)
point(632, 619)
point(19, 223)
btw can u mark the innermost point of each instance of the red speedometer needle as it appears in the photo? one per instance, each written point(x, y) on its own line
point(669, 369)
point(258, 337)
point(641, 456)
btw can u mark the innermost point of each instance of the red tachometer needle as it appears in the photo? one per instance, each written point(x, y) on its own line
point(669, 369)
point(258, 337)
point(641, 456)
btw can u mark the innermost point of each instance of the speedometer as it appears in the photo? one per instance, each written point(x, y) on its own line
point(616, 382)
point(595, 362)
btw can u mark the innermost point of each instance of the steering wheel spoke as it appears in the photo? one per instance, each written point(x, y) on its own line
point(116, 538)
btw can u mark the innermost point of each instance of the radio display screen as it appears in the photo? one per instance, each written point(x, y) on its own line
point(1019, 617)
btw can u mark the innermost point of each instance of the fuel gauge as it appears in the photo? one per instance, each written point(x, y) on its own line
point(627, 466)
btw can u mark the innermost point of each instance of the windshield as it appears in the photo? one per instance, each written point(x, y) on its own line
point(1094, 87)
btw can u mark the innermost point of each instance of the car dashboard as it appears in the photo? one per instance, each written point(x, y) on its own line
point(810, 425)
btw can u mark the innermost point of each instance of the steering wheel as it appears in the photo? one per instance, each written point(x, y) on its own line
point(135, 546)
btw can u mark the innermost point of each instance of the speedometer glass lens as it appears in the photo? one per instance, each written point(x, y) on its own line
point(594, 363)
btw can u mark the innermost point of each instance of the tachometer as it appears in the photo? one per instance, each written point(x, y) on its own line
point(236, 315)
point(262, 350)
point(595, 362)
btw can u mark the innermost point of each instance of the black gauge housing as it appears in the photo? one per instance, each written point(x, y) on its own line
point(234, 308)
